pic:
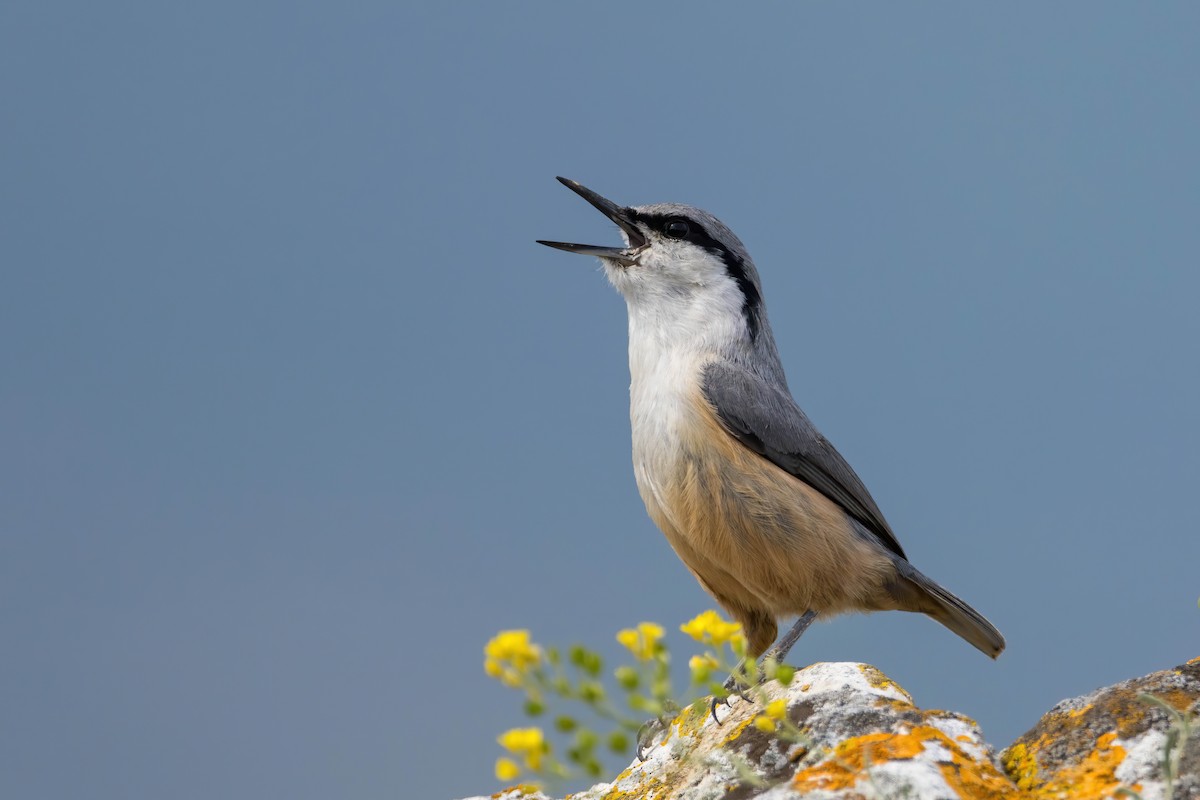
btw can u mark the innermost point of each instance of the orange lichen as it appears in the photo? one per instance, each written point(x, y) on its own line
point(977, 780)
point(1095, 776)
point(845, 765)
point(848, 763)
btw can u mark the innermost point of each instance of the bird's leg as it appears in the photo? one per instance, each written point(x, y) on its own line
point(779, 651)
point(734, 685)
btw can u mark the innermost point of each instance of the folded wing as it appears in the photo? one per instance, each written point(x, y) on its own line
point(767, 420)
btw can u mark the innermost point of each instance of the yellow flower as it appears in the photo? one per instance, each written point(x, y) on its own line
point(709, 627)
point(764, 724)
point(509, 655)
point(776, 709)
point(651, 630)
point(702, 667)
point(515, 648)
point(522, 740)
point(643, 642)
point(529, 743)
point(506, 769)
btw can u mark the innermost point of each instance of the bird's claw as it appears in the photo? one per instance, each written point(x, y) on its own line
point(652, 727)
point(733, 688)
point(646, 735)
point(717, 701)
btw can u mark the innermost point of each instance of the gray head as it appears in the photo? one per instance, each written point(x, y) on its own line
point(681, 264)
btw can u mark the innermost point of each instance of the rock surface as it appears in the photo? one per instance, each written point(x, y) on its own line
point(864, 738)
point(1095, 745)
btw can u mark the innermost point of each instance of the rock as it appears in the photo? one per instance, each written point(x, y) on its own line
point(862, 737)
point(865, 736)
point(1095, 745)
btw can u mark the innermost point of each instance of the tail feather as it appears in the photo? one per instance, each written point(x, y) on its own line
point(924, 595)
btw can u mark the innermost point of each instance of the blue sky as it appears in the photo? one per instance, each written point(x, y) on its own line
point(295, 415)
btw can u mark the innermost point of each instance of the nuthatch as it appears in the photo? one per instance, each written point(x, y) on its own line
point(759, 505)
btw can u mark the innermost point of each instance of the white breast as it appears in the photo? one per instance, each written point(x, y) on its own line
point(660, 416)
point(666, 364)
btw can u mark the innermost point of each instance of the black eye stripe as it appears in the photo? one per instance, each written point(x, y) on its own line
point(734, 267)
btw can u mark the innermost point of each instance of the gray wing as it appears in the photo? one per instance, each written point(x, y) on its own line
point(767, 420)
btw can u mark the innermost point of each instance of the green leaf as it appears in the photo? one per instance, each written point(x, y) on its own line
point(593, 664)
point(578, 654)
point(591, 691)
point(628, 677)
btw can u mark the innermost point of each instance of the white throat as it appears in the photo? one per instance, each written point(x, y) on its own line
point(673, 332)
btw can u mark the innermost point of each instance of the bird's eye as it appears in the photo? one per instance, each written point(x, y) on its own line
point(676, 229)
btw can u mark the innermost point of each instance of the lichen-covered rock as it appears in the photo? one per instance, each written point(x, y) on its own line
point(862, 737)
point(1113, 739)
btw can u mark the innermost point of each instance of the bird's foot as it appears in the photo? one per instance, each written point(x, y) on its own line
point(734, 687)
point(652, 728)
point(749, 673)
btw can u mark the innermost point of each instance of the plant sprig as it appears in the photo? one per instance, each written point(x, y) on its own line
point(547, 677)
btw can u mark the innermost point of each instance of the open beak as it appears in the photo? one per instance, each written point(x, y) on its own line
point(625, 255)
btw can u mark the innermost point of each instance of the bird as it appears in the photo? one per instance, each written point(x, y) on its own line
point(760, 507)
